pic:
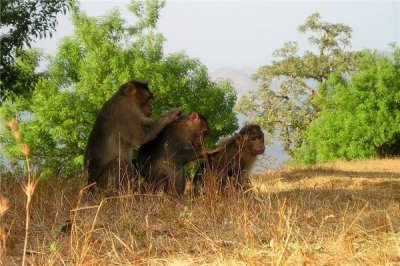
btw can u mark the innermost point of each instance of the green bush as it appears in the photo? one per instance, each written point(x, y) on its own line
point(88, 68)
point(360, 112)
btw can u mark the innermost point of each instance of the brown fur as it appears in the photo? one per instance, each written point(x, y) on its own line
point(162, 160)
point(234, 161)
point(121, 124)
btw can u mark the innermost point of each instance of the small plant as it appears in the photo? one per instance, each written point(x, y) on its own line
point(29, 185)
point(3, 231)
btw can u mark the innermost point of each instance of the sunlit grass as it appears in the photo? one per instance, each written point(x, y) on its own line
point(344, 213)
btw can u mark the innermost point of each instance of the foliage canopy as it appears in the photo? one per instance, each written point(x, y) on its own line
point(283, 102)
point(360, 114)
point(89, 66)
point(21, 23)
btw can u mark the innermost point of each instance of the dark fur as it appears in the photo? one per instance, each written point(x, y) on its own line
point(121, 124)
point(234, 161)
point(162, 160)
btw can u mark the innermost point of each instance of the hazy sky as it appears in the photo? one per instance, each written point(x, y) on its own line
point(241, 34)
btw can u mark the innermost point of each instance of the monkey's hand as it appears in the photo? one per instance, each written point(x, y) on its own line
point(156, 125)
point(163, 120)
point(174, 113)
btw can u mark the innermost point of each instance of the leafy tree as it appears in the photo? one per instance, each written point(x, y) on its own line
point(360, 114)
point(89, 66)
point(21, 23)
point(283, 102)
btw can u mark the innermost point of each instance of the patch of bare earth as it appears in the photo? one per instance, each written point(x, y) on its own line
point(342, 213)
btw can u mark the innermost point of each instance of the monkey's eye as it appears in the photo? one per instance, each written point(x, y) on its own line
point(254, 138)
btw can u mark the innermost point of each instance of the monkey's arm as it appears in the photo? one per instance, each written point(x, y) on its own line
point(163, 120)
point(214, 151)
point(156, 125)
point(190, 154)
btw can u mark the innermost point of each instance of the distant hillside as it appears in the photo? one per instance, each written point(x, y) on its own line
point(241, 78)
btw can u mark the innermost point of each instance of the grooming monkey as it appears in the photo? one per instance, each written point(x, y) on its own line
point(122, 123)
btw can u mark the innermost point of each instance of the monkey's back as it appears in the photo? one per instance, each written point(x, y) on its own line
point(223, 164)
point(153, 154)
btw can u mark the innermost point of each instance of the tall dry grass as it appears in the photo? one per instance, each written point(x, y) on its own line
point(3, 228)
point(320, 215)
point(28, 187)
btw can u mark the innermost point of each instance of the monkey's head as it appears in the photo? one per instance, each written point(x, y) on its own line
point(140, 94)
point(251, 139)
point(196, 127)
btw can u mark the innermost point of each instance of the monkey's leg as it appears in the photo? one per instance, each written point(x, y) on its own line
point(180, 182)
point(243, 180)
point(118, 176)
point(175, 180)
point(198, 180)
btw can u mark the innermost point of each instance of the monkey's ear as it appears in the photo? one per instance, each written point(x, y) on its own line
point(194, 116)
point(130, 89)
point(238, 139)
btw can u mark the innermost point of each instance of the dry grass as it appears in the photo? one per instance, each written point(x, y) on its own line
point(344, 213)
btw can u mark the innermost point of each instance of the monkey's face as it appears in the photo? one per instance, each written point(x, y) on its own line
point(139, 95)
point(203, 132)
point(255, 142)
point(251, 138)
point(145, 103)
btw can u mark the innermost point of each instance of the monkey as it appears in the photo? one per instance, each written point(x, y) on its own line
point(233, 163)
point(122, 124)
point(162, 160)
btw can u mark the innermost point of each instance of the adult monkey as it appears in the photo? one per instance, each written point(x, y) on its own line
point(162, 160)
point(233, 163)
point(121, 124)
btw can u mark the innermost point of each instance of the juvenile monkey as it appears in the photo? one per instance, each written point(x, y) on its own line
point(162, 160)
point(121, 124)
point(235, 160)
